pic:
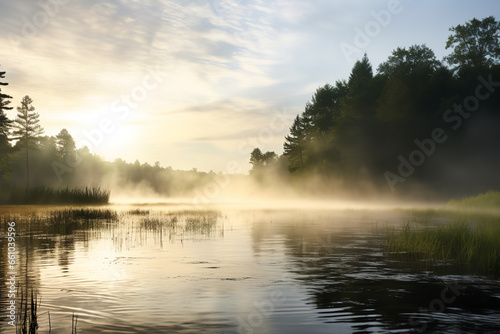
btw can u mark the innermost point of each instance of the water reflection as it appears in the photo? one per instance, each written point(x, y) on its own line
point(178, 270)
point(350, 279)
point(73, 259)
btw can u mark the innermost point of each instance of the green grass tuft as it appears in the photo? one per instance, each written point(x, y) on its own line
point(472, 246)
point(490, 199)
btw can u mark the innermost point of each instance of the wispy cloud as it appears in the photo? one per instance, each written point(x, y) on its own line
point(230, 64)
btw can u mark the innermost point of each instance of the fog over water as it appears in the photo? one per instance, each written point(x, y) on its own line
point(257, 267)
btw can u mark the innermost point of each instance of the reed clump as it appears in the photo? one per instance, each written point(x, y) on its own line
point(186, 221)
point(66, 215)
point(156, 223)
point(60, 222)
point(473, 246)
point(27, 314)
point(201, 223)
point(46, 195)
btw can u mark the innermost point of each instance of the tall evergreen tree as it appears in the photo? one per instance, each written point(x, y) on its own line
point(295, 144)
point(5, 124)
point(356, 135)
point(359, 103)
point(26, 129)
point(4, 105)
point(361, 71)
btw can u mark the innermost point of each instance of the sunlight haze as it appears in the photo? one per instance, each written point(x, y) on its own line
point(216, 71)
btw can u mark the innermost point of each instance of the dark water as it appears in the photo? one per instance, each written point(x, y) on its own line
point(237, 271)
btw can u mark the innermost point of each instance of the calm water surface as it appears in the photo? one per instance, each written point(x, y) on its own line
point(175, 269)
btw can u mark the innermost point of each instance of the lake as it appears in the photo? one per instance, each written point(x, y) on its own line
point(174, 268)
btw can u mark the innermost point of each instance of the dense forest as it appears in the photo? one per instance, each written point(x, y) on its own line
point(415, 125)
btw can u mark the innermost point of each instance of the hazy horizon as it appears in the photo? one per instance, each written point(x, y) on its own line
point(201, 84)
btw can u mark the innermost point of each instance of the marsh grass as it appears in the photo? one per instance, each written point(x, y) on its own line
point(190, 222)
point(490, 199)
point(138, 212)
point(193, 213)
point(45, 195)
point(202, 224)
point(27, 314)
point(59, 222)
point(82, 213)
point(155, 223)
point(471, 244)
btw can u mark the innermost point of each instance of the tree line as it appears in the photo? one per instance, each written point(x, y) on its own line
point(405, 126)
point(34, 165)
point(363, 129)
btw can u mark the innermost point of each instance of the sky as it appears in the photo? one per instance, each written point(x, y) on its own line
point(200, 83)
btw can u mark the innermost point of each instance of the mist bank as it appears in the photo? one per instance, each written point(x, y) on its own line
point(416, 129)
point(52, 172)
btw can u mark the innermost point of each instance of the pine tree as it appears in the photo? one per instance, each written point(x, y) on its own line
point(295, 143)
point(26, 129)
point(5, 123)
